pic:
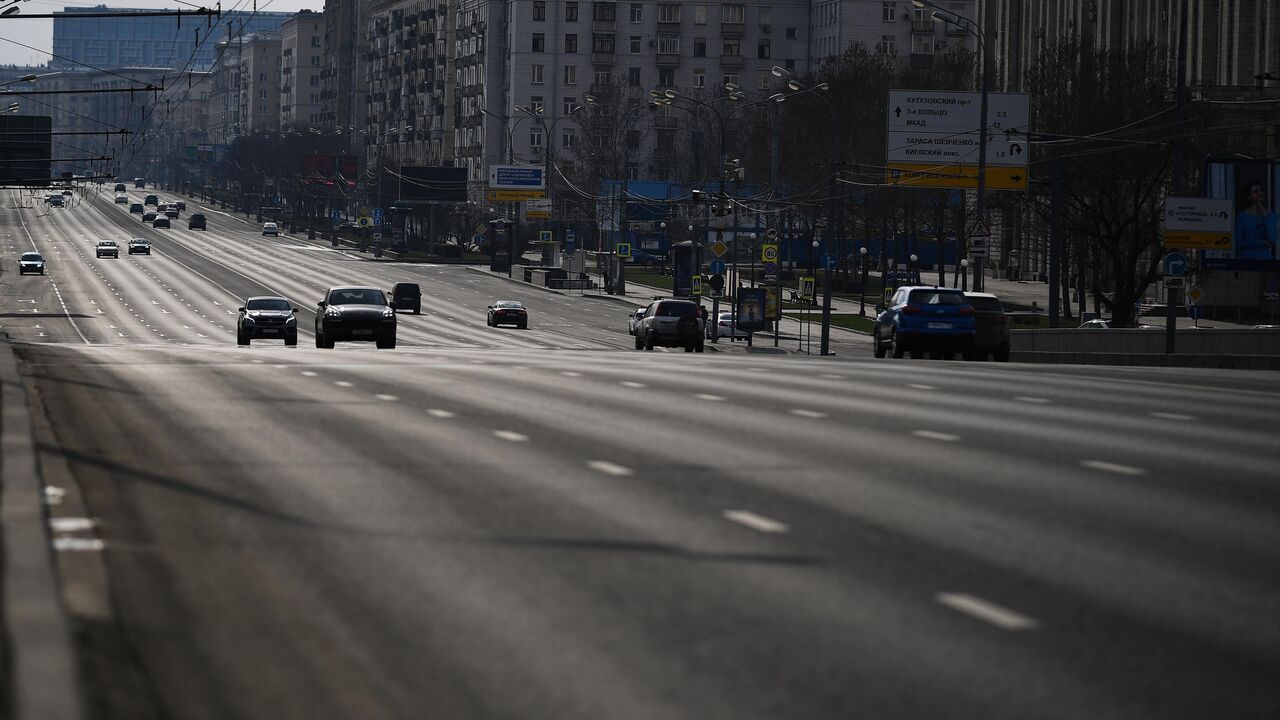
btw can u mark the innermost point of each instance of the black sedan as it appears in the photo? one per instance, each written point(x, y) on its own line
point(508, 312)
point(355, 313)
point(267, 317)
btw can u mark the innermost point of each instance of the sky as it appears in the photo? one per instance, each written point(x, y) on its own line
point(39, 33)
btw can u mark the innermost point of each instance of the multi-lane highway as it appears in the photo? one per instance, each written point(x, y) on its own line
point(495, 523)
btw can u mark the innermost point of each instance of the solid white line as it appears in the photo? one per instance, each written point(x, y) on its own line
point(1036, 400)
point(1113, 467)
point(807, 413)
point(510, 436)
point(1001, 617)
point(755, 522)
point(931, 435)
point(388, 398)
point(609, 468)
point(709, 398)
point(1172, 416)
point(71, 524)
point(434, 412)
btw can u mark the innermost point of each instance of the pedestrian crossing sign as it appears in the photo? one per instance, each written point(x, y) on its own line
point(624, 250)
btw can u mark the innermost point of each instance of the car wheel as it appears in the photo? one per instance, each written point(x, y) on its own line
point(877, 348)
point(417, 311)
point(980, 355)
point(242, 339)
point(648, 342)
point(639, 343)
point(523, 326)
point(387, 344)
point(898, 348)
point(698, 347)
point(688, 348)
point(1002, 352)
point(290, 340)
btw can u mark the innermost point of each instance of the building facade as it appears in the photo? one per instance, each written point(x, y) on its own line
point(260, 83)
point(892, 28)
point(343, 82)
point(301, 53)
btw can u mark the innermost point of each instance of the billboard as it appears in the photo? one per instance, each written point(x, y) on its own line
point(1253, 187)
point(330, 167)
point(25, 150)
point(426, 184)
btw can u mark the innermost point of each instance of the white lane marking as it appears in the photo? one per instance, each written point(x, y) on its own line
point(931, 435)
point(436, 412)
point(1001, 617)
point(709, 398)
point(1035, 400)
point(632, 384)
point(71, 524)
point(308, 373)
point(918, 386)
point(388, 398)
point(755, 522)
point(1172, 416)
point(569, 373)
point(510, 436)
point(807, 413)
point(1111, 467)
point(75, 544)
point(609, 468)
point(829, 376)
point(344, 383)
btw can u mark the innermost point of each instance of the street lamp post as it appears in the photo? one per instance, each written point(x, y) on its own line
point(862, 305)
point(964, 274)
point(972, 27)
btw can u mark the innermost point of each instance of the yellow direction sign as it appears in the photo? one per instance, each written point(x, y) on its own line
point(1190, 239)
point(964, 177)
point(515, 195)
point(719, 249)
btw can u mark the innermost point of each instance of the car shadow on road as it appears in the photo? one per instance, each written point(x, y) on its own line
point(80, 316)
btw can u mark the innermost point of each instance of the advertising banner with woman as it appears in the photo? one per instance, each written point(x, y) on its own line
point(1254, 188)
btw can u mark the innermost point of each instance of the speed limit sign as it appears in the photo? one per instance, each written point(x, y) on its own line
point(769, 252)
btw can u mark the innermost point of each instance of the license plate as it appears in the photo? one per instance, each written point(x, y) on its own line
point(361, 332)
point(939, 326)
point(270, 331)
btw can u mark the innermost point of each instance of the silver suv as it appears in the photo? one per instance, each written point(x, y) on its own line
point(670, 323)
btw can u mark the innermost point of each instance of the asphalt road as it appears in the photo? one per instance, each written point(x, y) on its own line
point(493, 523)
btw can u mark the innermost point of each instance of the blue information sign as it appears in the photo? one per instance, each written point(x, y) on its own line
point(1175, 264)
point(1194, 312)
point(829, 261)
point(717, 267)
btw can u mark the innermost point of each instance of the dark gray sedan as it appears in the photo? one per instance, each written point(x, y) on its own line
point(355, 313)
point(266, 317)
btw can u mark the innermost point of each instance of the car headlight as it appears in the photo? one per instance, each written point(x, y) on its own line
point(388, 314)
point(248, 320)
point(291, 320)
point(333, 312)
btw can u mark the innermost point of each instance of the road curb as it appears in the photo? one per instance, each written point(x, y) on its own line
point(42, 679)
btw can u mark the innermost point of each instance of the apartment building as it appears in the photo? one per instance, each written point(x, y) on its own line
point(892, 28)
point(343, 79)
point(224, 92)
point(260, 83)
point(301, 53)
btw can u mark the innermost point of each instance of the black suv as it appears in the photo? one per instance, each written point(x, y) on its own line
point(670, 323)
point(407, 296)
point(267, 317)
point(990, 326)
point(140, 245)
point(196, 221)
point(355, 313)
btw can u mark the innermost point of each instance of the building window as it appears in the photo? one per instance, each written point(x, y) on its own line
point(569, 104)
point(735, 14)
point(699, 47)
point(922, 44)
point(732, 47)
point(535, 138)
point(889, 44)
point(570, 138)
point(699, 14)
point(539, 10)
point(539, 43)
point(766, 16)
point(699, 78)
point(571, 43)
point(666, 77)
point(262, 94)
point(763, 50)
point(633, 171)
point(604, 11)
point(603, 77)
point(668, 44)
point(535, 74)
point(635, 45)
point(535, 103)
point(571, 11)
point(668, 13)
point(633, 77)
point(730, 79)
point(262, 77)
point(791, 33)
point(637, 12)
point(764, 80)
point(887, 12)
point(570, 75)
point(602, 43)
point(315, 41)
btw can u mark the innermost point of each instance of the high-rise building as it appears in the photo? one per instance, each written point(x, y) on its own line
point(260, 83)
point(343, 80)
point(164, 42)
point(301, 54)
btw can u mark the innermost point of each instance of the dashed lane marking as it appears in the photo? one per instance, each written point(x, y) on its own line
point(609, 468)
point(755, 522)
point(510, 436)
point(932, 435)
point(987, 611)
point(1111, 467)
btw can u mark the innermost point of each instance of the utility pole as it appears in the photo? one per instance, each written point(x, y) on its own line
point(1171, 294)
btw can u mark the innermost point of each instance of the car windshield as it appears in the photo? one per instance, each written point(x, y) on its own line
point(988, 304)
point(269, 304)
point(108, 242)
point(31, 256)
point(139, 241)
point(670, 309)
point(937, 297)
point(357, 296)
point(509, 304)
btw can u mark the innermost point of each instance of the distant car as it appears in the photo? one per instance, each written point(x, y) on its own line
point(270, 228)
point(54, 201)
point(31, 262)
point(160, 222)
point(671, 323)
point(355, 313)
point(136, 208)
point(196, 221)
point(267, 317)
point(921, 318)
point(122, 199)
point(991, 326)
point(725, 327)
point(120, 188)
point(180, 204)
point(407, 296)
point(642, 257)
point(1097, 324)
point(139, 182)
point(151, 200)
point(67, 192)
point(148, 216)
point(107, 248)
point(139, 246)
point(507, 312)
point(171, 212)
point(633, 320)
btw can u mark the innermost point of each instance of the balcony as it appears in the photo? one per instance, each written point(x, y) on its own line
point(732, 28)
point(731, 61)
point(922, 26)
point(665, 121)
point(602, 58)
point(668, 59)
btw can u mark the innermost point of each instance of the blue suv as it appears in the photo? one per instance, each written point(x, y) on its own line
point(919, 319)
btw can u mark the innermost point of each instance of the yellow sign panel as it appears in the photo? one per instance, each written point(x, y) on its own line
point(1194, 295)
point(537, 214)
point(1197, 240)
point(961, 177)
point(697, 285)
point(516, 195)
point(769, 253)
point(719, 249)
